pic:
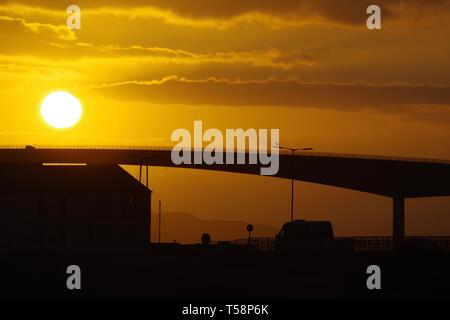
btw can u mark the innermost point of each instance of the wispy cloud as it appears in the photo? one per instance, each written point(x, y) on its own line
point(226, 14)
point(278, 92)
point(15, 26)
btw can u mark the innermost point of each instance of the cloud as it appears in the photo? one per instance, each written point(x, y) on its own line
point(140, 62)
point(137, 54)
point(224, 14)
point(276, 92)
point(18, 27)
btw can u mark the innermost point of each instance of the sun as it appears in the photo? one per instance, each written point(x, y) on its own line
point(61, 110)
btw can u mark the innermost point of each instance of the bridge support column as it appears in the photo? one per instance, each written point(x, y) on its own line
point(150, 206)
point(398, 228)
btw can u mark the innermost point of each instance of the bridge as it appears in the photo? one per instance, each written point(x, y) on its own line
point(393, 177)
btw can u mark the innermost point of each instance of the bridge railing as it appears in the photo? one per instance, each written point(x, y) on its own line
point(284, 152)
point(88, 147)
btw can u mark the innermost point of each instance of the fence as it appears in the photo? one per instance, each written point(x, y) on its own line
point(383, 244)
point(369, 244)
point(366, 244)
point(263, 244)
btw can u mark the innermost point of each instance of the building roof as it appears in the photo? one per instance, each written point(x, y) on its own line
point(63, 178)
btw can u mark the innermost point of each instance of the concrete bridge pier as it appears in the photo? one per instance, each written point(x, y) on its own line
point(398, 229)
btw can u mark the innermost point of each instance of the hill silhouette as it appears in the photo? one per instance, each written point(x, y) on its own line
point(187, 228)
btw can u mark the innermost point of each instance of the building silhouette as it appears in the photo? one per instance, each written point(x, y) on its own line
point(67, 208)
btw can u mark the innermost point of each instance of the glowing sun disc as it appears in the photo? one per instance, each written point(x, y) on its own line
point(61, 110)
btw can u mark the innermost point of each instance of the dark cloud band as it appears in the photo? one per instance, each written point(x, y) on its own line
point(284, 93)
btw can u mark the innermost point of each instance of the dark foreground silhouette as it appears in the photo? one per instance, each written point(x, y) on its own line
point(98, 217)
point(224, 272)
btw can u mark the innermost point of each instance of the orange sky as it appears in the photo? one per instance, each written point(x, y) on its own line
point(310, 68)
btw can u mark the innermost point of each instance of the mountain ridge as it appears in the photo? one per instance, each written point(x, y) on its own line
point(187, 228)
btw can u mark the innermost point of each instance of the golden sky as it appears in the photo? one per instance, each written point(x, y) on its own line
point(143, 68)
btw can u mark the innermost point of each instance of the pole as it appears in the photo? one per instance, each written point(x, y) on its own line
point(292, 174)
point(292, 185)
point(150, 220)
point(159, 223)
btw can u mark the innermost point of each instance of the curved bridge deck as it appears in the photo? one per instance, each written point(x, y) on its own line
point(398, 178)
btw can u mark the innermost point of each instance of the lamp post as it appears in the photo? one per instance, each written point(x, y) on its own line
point(159, 222)
point(293, 151)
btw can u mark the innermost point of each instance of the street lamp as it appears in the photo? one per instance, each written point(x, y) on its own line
point(293, 151)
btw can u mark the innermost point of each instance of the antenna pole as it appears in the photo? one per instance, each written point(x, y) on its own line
point(159, 223)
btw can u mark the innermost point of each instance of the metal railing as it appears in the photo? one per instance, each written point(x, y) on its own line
point(262, 243)
point(369, 244)
point(284, 152)
point(365, 244)
point(384, 244)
